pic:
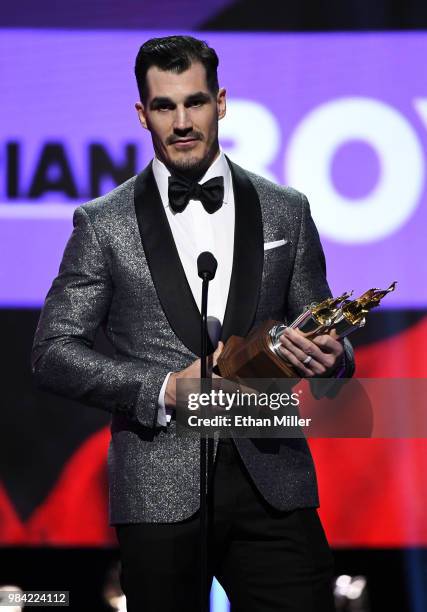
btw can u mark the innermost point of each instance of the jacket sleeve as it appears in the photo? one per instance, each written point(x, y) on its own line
point(308, 282)
point(63, 359)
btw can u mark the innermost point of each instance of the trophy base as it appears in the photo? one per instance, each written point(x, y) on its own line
point(253, 357)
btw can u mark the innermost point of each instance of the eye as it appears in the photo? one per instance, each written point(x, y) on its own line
point(195, 103)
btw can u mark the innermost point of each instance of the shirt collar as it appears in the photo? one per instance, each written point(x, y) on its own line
point(219, 167)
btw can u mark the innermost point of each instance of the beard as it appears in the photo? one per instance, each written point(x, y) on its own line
point(191, 167)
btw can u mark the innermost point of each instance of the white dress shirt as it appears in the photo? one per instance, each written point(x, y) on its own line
point(194, 231)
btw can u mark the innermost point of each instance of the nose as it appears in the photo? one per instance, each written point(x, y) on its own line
point(182, 122)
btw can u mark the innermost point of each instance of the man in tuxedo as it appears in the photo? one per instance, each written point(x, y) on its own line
point(130, 267)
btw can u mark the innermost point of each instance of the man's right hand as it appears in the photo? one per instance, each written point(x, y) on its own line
point(192, 371)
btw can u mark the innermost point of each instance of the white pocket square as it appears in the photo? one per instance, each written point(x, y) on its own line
point(274, 244)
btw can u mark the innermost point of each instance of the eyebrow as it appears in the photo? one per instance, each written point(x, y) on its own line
point(160, 101)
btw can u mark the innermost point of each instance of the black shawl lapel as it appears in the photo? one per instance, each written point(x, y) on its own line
point(248, 258)
point(165, 265)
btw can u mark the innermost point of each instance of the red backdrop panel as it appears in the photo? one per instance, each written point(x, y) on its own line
point(373, 492)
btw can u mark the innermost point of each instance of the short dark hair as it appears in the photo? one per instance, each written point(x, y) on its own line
point(175, 54)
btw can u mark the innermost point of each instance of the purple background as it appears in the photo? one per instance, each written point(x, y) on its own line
point(77, 88)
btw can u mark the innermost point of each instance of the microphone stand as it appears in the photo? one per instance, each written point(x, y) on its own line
point(204, 458)
point(206, 454)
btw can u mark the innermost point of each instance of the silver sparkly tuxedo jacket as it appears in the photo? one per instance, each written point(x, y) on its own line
point(121, 270)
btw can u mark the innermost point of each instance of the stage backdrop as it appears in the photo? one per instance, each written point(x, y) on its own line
point(341, 117)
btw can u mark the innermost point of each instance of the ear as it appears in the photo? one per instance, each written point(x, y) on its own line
point(221, 104)
point(140, 111)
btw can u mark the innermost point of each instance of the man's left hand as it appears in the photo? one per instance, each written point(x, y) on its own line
point(316, 357)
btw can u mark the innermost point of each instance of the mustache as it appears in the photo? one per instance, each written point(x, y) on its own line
point(175, 138)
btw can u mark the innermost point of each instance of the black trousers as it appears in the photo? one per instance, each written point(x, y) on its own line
point(266, 560)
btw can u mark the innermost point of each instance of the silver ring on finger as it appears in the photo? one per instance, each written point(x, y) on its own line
point(307, 360)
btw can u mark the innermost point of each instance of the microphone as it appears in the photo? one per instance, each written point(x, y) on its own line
point(206, 265)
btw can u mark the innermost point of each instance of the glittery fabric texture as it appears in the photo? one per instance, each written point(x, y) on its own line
point(104, 280)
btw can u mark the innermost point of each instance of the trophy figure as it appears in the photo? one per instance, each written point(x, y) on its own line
point(258, 355)
point(353, 314)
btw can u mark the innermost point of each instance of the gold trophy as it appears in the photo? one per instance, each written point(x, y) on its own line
point(258, 355)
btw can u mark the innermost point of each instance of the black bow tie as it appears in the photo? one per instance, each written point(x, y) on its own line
point(210, 194)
